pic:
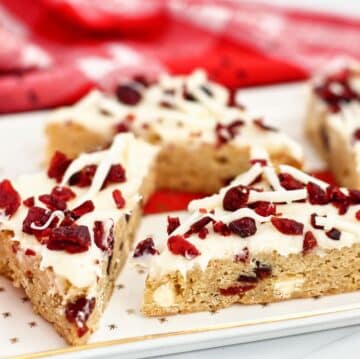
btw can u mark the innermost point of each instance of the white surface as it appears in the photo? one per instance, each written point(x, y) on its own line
point(284, 106)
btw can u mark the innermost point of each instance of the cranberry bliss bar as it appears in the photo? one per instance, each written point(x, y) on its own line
point(333, 121)
point(204, 141)
point(66, 233)
point(273, 234)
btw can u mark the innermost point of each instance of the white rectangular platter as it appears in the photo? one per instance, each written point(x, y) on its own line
point(124, 331)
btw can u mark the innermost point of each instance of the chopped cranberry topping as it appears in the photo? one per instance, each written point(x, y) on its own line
point(38, 216)
point(9, 199)
point(74, 239)
point(289, 182)
point(202, 234)
point(263, 208)
point(173, 223)
point(244, 227)
point(313, 221)
point(115, 175)
point(260, 123)
point(198, 226)
point(29, 202)
point(104, 241)
point(309, 242)
point(147, 246)
point(62, 193)
point(30, 252)
point(118, 198)
point(262, 162)
point(262, 270)
point(58, 165)
point(357, 215)
point(52, 202)
point(338, 199)
point(127, 94)
point(178, 245)
point(86, 207)
point(334, 234)
point(356, 134)
point(225, 133)
point(221, 228)
point(316, 194)
point(287, 226)
point(78, 313)
point(122, 127)
point(354, 196)
point(247, 278)
point(84, 177)
point(235, 198)
point(243, 257)
point(236, 290)
point(336, 90)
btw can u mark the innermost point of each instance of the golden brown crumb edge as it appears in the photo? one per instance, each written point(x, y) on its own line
point(38, 283)
point(180, 166)
point(289, 277)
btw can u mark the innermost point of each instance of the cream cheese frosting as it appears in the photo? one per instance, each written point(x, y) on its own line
point(176, 108)
point(83, 269)
point(290, 204)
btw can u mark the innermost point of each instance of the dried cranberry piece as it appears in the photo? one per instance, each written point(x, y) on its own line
point(260, 123)
point(236, 290)
point(84, 208)
point(243, 257)
point(84, 177)
point(122, 127)
point(115, 175)
point(263, 208)
point(104, 241)
point(29, 202)
point(260, 161)
point(309, 242)
point(62, 193)
point(338, 199)
point(58, 166)
point(316, 194)
point(30, 252)
point(197, 226)
point(37, 216)
point(244, 227)
point(52, 202)
point(178, 245)
point(118, 199)
point(221, 228)
point(225, 133)
point(235, 198)
point(356, 134)
point(247, 278)
point(343, 94)
point(173, 223)
point(334, 234)
point(74, 239)
point(147, 246)
point(287, 226)
point(262, 270)
point(357, 215)
point(78, 313)
point(203, 232)
point(289, 182)
point(313, 221)
point(127, 94)
point(354, 196)
point(9, 198)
